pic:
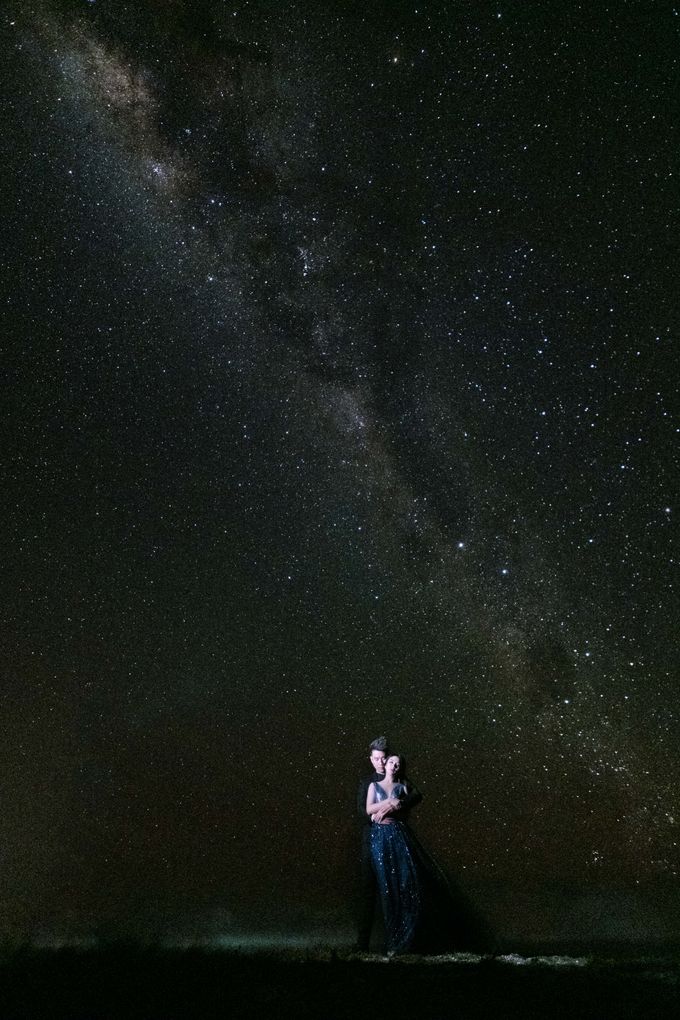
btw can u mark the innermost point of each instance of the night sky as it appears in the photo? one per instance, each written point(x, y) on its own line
point(340, 366)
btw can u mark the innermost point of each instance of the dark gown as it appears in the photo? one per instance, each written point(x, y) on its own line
point(422, 910)
point(398, 867)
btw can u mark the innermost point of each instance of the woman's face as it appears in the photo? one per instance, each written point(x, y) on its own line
point(392, 765)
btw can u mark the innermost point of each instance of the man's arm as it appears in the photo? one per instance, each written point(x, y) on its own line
point(413, 796)
point(361, 799)
point(377, 809)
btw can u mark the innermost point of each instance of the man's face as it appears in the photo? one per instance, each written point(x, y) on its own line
point(377, 760)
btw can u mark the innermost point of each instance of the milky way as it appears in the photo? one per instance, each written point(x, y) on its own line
point(342, 367)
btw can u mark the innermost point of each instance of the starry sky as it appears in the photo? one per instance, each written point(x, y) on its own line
point(340, 361)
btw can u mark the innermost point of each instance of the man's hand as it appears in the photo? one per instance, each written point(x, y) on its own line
point(389, 807)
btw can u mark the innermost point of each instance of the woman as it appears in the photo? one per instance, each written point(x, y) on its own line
point(398, 860)
point(423, 911)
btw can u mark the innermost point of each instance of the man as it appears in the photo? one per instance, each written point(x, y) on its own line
point(377, 756)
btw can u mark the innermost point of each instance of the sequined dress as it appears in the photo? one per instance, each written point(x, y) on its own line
point(396, 861)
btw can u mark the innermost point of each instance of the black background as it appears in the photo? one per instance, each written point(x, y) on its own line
point(340, 376)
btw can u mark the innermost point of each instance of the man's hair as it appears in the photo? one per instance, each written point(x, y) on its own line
point(379, 744)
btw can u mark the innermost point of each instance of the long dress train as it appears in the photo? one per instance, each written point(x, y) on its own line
point(422, 911)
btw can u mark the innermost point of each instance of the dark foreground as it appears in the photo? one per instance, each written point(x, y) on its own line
point(129, 983)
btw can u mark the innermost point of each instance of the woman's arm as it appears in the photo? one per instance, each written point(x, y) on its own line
point(394, 806)
point(375, 806)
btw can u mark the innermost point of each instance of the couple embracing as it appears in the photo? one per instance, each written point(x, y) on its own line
point(421, 910)
point(393, 864)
